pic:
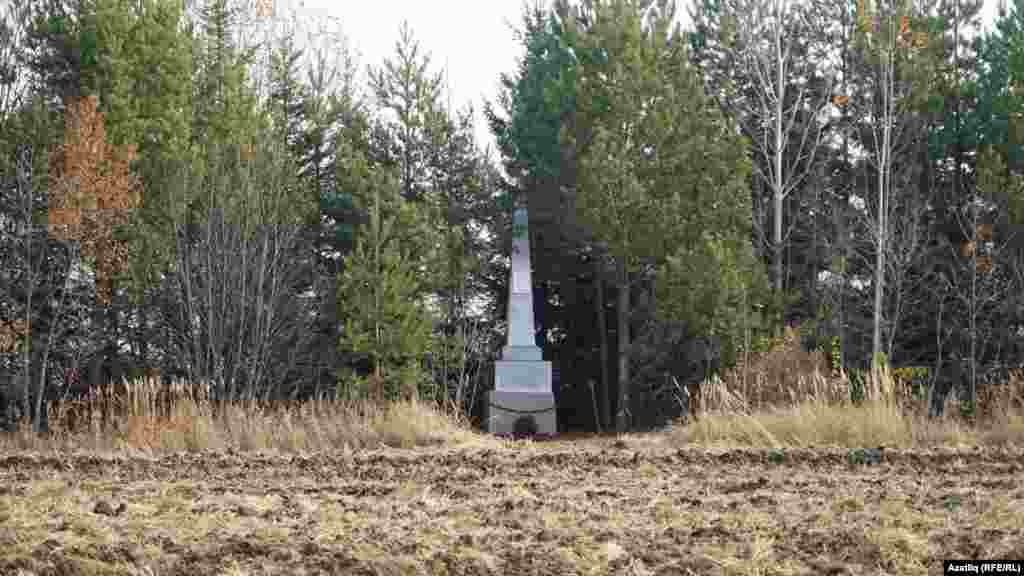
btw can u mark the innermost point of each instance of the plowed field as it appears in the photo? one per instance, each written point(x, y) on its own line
point(559, 508)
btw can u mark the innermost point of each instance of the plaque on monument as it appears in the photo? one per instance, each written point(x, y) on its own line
point(522, 398)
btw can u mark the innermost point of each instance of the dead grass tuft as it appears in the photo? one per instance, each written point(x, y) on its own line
point(780, 376)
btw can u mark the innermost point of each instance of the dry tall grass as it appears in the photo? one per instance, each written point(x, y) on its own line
point(148, 417)
point(788, 397)
point(785, 397)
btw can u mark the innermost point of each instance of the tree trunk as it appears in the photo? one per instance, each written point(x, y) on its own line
point(567, 348)
point(602, 330)
point(143, 335)
point(819, 182)
point(26, 360)
point(777, 236)
point(30, 286)
point(463, 360)
point(883, 183)
point(973, 366)
point(876, 341)
point(40, 407)
point(624, 415)
point(777, 195)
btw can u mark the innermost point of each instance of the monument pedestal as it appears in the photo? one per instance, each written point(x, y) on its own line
point(521, 414)
point(522, 403)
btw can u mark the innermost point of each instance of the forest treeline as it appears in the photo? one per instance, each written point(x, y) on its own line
point(220, 192)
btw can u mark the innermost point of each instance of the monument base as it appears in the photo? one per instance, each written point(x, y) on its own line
point(511, 413)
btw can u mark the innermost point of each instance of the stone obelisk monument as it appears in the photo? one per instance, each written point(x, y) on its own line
point(522, 401)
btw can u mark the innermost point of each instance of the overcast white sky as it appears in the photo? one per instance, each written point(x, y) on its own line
point(472, 39)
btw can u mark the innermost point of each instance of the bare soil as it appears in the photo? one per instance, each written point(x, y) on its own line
point(597, 506)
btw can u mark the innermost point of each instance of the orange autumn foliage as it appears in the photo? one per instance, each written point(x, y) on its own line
point(11, 333)
point(969, 248)
point(983, 264)
point(906, 36)
point(920, 40)
point(984, 232)
point(93, 191)
point(863, 18)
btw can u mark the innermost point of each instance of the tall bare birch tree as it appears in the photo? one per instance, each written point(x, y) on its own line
point(764, 20)
point(780, 105)
point(890, 47)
